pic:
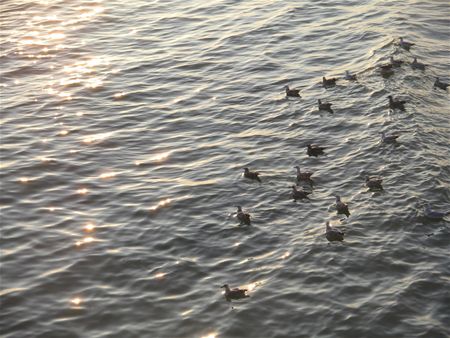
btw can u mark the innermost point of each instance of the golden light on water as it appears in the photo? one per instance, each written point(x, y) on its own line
point(285, 255)
point(107, 175)
point(63, 132)
point(85, 240)
point(89, 227)
point(161, 204)
point(76, 301)
point(210, 335)
point(119, 95)
point(82, 191)
point(159, 275)
point(160, 157)
point(24, 180)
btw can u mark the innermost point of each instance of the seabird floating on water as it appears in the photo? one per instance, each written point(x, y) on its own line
point(325, 106)
point(303, 176)
point(395, 63)
point(442, 85)
point(333, 234)
point(243, 217)
point(392, 138)
point(349, 77)
point(328, 82)
point(314, 150)
point(433, 214)
point(341, 207)
point(417, 65)
point(292, 92)
point(235, 293)
point(374, 182)
point(396, 104)
point(405, 44)
point(386, 70)
point(299, 194)
point(253, 175)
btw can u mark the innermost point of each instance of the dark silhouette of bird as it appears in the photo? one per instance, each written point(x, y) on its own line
point(235, 293)
point(405, 44)
point(417, 65)
point(396, 104)
point(314, 150)
point(374, 182)
point(299, 194)
point(333, 234)
point(439, 84)
point(325, 106)
point(253, 175)
point(395, 63)
point(391, 138)
point(386, 70)
point(341, 207)
point(292, 92)
point(243, 217)
point(328, 82)
point(303, 176)
point(349, 77)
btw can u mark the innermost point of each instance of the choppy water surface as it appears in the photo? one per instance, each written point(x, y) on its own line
point(125, 129)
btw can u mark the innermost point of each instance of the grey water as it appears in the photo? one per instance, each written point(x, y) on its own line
point(125, 128)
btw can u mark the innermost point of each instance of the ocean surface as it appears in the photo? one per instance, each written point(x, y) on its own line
point(125, 128)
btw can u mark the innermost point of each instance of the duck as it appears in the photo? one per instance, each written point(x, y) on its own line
point(325, 106)
point(314, 150)
point(341, 207)
point(303, 176)
point(235, 293)
point(349, 77)
point(392, 138)
point(299, 194)
point(396, 104)
point(433, 214)
point(292, 92)
point(417, 65)
point(405, 44)
point(386, 70)
point(253, 175)
point(333, 234)
point(439, 84)
point(374, 182)
point(328, 82)
point(395, 63)
point(243, 217)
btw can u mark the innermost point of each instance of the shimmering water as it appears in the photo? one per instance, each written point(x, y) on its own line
point(125, 128)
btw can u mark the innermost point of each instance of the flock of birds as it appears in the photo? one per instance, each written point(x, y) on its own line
point(374, 183)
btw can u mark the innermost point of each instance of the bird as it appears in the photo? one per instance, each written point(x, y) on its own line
point(396, 104)
point(314, 150)
point(374, 182)
point(386, 70)
point(325, 106)
point(243, 217)
point(303, 176)
point(442, 85)
point(433, 214)
point(253, 175)
point(405, 44)
point(299, 194)
point(292, 92)
point(235, 293)
point(392, 138)
point(349, 77)
point(341, 207)
point(328, 82)
point(417, 65)
point(333, 234)
point(395, 63)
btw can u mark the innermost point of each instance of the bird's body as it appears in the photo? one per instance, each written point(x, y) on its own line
point(235, 293)
point(315, 150)
point(433, 214)
point(405, 44)
point(392, 138)
point(374, 182)
point(396, 104)
point(325, 106)
point(328, 82)
point(303, 176)
point(333, 234)
point(439, 84)
point(299, 194)
point(341, 207)
point(243, 217)
point(395, 63)
point(253, 175)
point(417, 65)
point(292, 92)
point(386, 70)
point(349, 77)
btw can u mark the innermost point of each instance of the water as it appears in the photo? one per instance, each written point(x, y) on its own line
point(125, 129)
